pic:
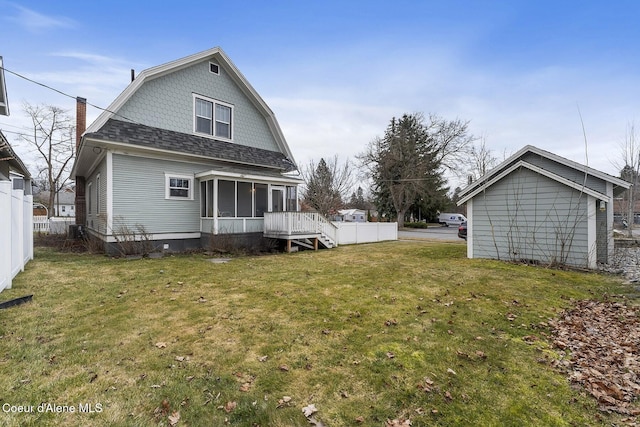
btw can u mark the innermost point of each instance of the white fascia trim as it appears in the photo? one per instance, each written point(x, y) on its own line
point(470, 229)
point(159, 236)
point(592, 248)
point(251, 177)
point(109, 161)
point(540, 171)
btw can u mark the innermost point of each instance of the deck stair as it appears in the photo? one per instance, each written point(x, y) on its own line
point(308, 230)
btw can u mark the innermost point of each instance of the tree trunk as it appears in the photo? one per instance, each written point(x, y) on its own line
point(400, 218)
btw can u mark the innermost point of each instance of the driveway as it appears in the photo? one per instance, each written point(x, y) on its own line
point(431, 233)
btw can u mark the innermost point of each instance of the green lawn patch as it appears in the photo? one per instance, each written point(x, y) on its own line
point(366, 333)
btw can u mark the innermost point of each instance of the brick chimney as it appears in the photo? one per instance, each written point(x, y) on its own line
point(81, 119)
point(81, 126)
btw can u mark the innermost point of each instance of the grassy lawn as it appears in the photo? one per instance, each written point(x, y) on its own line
point(366, 333)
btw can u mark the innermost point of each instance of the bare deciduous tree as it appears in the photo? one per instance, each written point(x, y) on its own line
point(481, 160)
point(629, 167)
point(327, 184)
point(52, 140)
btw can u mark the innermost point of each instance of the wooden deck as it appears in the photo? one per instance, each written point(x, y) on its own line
point(307, 229)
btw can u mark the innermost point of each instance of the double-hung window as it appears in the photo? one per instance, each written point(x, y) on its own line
point(178, 187)
point(213, 118)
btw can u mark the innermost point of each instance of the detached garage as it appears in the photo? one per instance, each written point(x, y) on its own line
point(542, 208)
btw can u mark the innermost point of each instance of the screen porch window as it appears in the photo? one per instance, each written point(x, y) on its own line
point(236, 199)
point(213, 118)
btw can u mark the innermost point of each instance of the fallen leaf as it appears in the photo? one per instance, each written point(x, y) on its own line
point(360, 419)
point(283, 368)
point(161, 344)
point(174, 418)
point(390, 355)
point(180, 358)
point(309, 410)
point(451, 371)
point(447, 395)
point(398, 423)
point(230, 406)
point(263, 358)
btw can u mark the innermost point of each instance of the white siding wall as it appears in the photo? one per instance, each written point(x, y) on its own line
point(531, 217)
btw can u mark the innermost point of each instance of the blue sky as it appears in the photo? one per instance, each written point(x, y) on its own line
point(336, 72)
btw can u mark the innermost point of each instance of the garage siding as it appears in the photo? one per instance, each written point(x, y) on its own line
point(527, 216)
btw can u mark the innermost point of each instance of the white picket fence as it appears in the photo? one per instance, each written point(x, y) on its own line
point(55, 225)
point(16, 232)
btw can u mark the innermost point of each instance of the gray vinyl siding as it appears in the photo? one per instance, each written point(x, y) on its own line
point(97, 217)
point(526, 216)
point(567, 172)
point(139, 196)
point(167, 103)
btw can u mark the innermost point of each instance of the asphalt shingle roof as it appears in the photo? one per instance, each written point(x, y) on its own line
point(151, 137)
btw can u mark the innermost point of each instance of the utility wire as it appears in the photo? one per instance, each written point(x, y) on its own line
point(65, 94)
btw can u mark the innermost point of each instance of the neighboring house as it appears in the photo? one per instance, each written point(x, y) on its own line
point(542, 208)
point(186, 156)
point(621, 210)
point(64, 203)
point(16, 217)
point(352, 215)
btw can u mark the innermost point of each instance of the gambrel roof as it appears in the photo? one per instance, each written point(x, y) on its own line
point(161, 70)
point(517, 161)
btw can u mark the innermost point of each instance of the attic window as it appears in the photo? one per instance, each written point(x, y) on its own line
point(213, 118)
point(214, 68)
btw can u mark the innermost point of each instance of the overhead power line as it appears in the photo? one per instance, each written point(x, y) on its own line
point(64, 93)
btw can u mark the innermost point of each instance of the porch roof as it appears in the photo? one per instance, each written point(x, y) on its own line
point(250, 175)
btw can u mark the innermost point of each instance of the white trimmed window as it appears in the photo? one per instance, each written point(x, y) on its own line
point(179, 187)
point(213, 117)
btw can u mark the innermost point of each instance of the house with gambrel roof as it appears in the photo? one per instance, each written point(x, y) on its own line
point(187, 154)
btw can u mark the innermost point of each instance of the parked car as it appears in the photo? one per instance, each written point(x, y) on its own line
point(448, 219)
point(462, 230)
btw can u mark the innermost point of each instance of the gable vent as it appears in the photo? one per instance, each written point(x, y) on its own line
point(214, 68)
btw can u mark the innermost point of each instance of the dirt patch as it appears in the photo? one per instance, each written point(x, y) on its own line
point(603, 339)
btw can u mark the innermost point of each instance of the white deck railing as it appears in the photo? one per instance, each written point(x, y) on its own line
point(298, 223)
